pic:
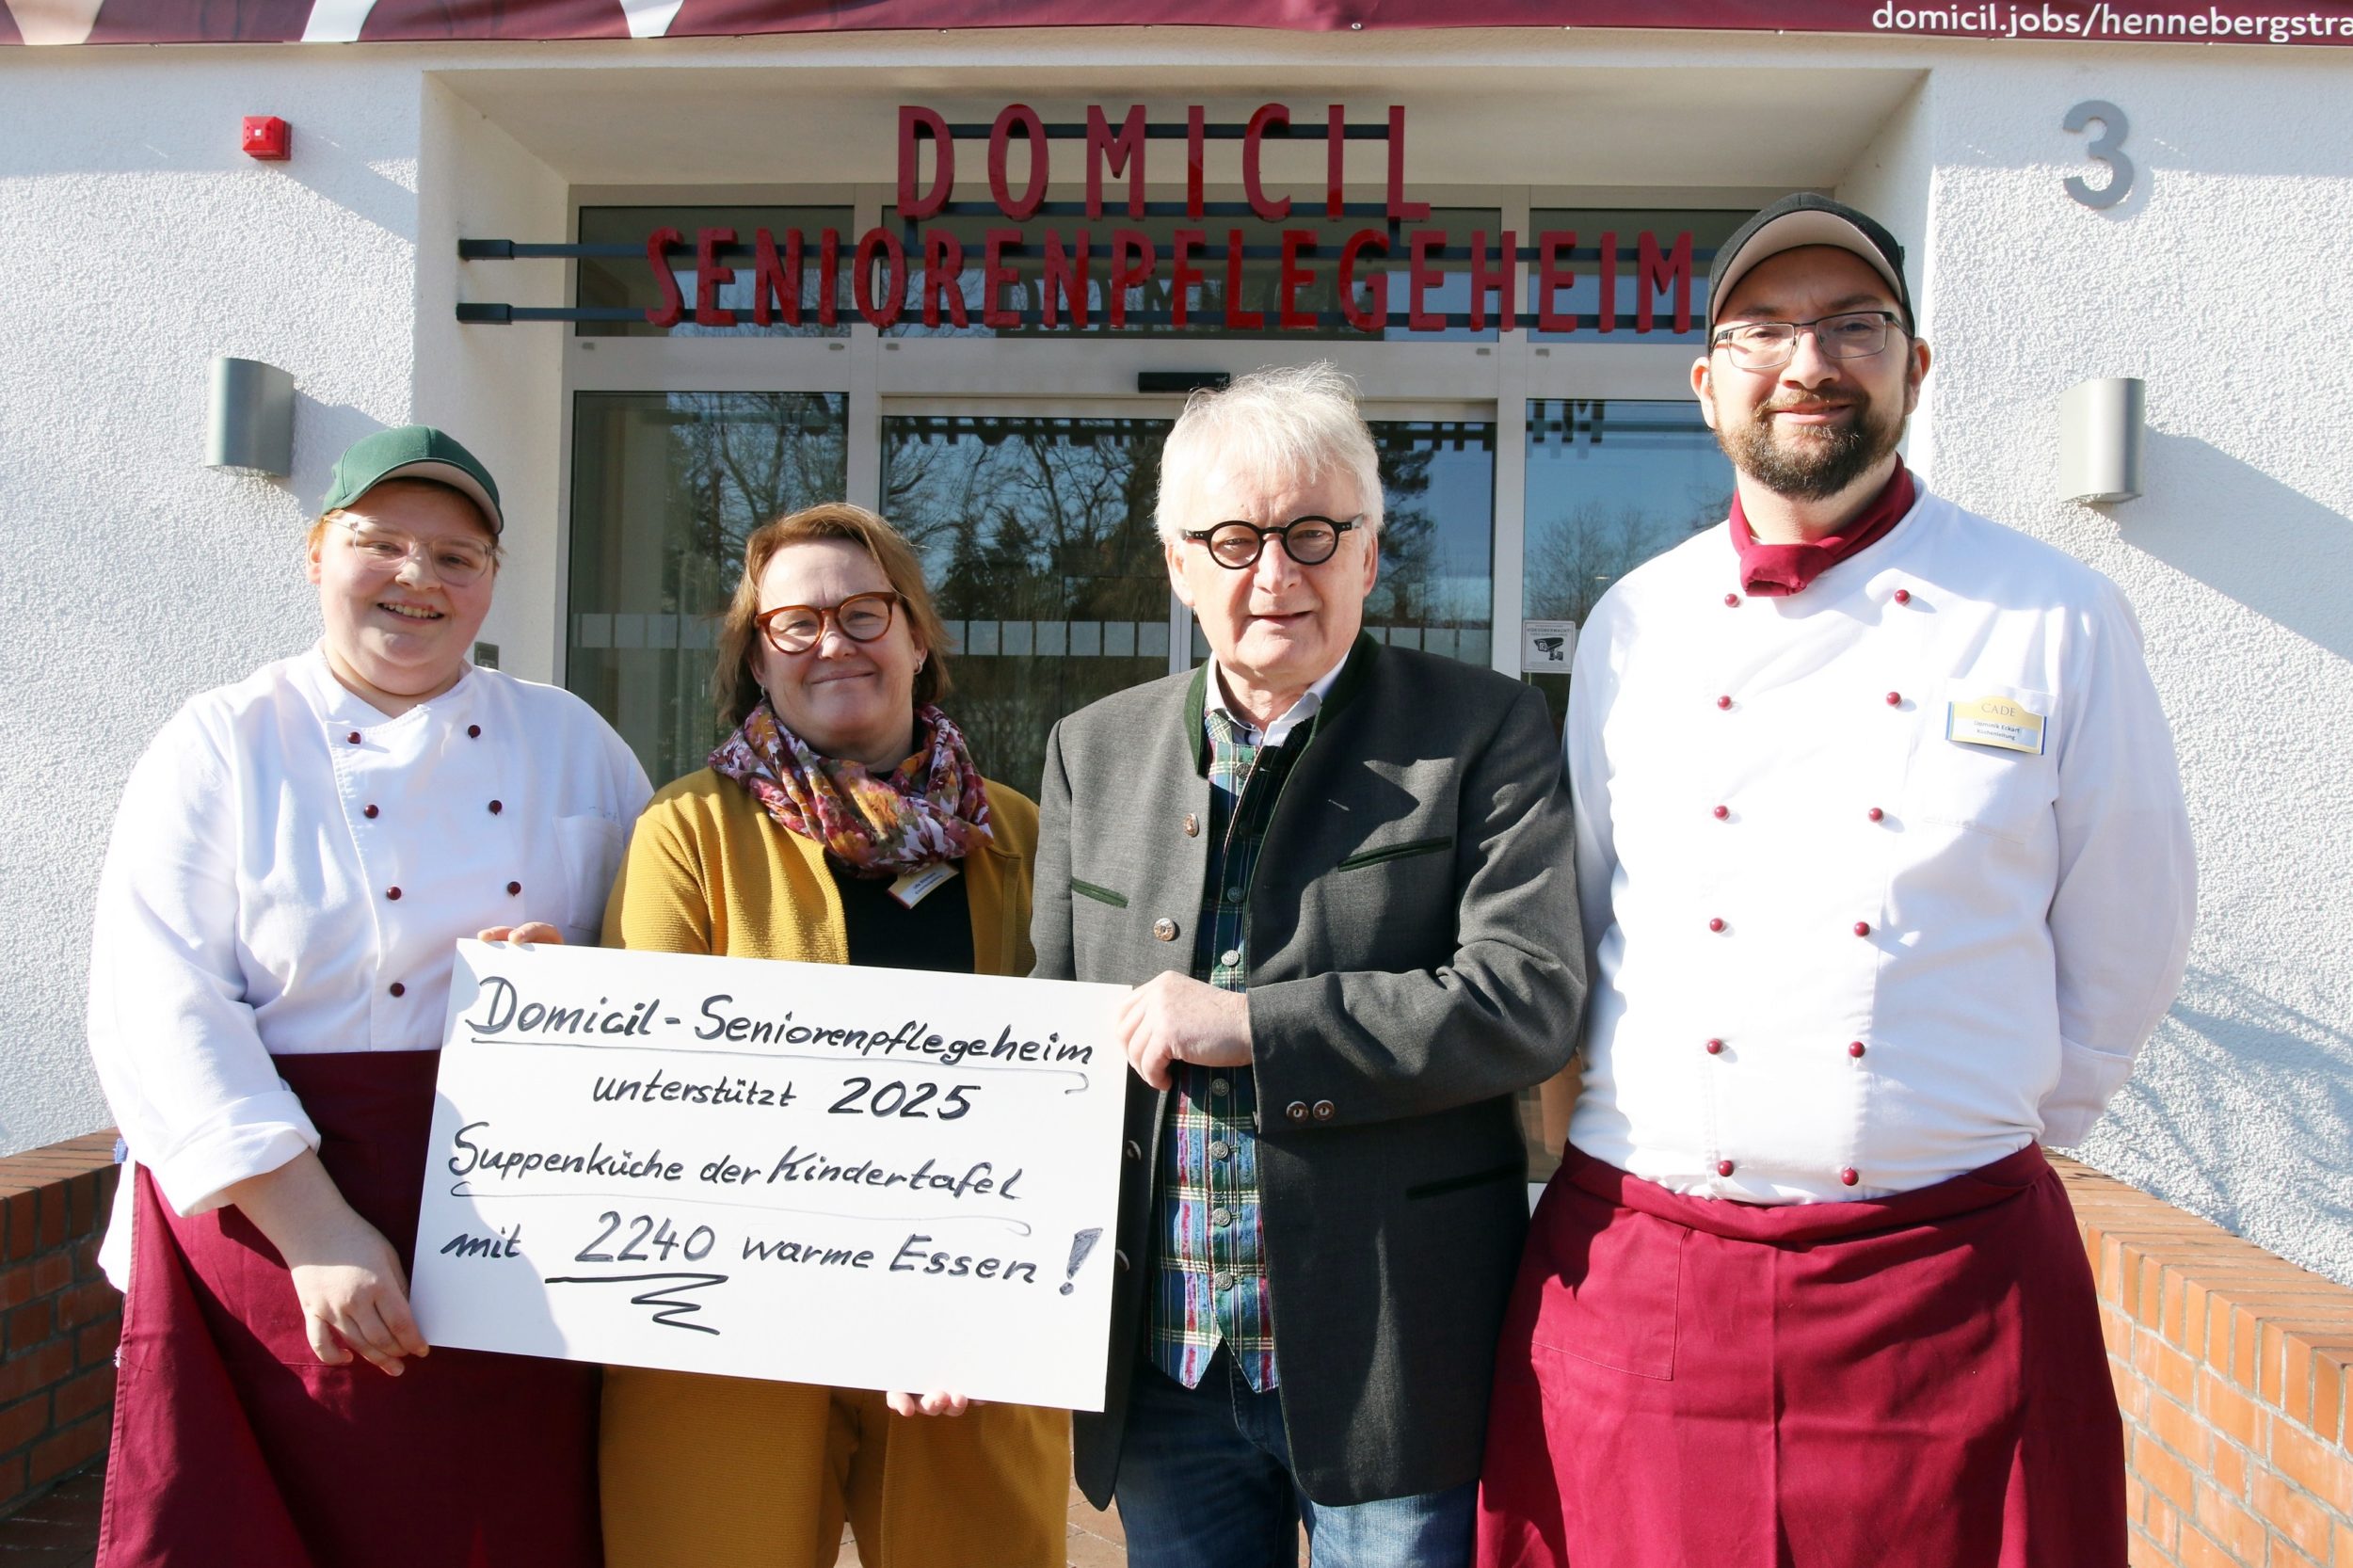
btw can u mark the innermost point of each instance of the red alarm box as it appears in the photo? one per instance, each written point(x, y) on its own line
point(269, 139)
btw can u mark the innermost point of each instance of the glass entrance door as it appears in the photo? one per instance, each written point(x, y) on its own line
point(1437, 589)
point(1036, 524)
point(1523, 471)
point(665, 488)
point(1610, 482)
point(1037, 536)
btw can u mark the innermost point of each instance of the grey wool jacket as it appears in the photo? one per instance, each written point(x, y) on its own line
point(1413, 962)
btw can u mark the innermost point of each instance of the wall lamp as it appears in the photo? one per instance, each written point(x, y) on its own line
point(2100, 439)
point(248, 425)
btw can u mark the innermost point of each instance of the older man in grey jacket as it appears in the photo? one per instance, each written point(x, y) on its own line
point(1337, 875)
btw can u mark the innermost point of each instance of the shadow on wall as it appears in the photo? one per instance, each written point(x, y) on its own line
point(354, 177)
point(323, 432)
point(2240, 1111)
point(349, 151)
point(2245, 536)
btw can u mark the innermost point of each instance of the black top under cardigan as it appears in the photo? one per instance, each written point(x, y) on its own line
point(883, 933)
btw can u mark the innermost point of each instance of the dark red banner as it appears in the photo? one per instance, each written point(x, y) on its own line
point(42, 22)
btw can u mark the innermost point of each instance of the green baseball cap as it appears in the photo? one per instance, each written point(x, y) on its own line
point(414, 452)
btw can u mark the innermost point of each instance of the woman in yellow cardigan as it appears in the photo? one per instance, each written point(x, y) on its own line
point(819, 832)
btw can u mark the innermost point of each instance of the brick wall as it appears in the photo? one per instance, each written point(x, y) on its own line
point(2232, 1368)
point(58, 1317)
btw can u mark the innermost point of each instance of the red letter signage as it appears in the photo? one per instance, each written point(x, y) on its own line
point(1121, 153)
point(1607, 310)
point(1552, 248)
point(776, 285)
point(1064, 286)
point(943, 278)
point(1253, 140)
point(1656, 273)
point(1182, 274)
point(911, 119)
point(1504, 279)
point(673, 307)
point(710, 276)
point(1421, 275)
point(1000, 148)
point(1374, 314)
point(1196, 154)
point(1295, 278)
point(880, 311)
point(1271, 280)
point(1335, 160)
point(1127, 243)
point(997, 273)
point(1398, 206)
point(829, 276)
point(1238, 319)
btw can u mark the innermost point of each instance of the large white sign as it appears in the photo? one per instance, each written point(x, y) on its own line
point(869, 1178)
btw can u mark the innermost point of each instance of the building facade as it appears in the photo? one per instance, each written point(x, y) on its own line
point(2075, 207)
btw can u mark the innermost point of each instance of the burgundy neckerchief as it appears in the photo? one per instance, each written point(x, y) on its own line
point(1776, 571)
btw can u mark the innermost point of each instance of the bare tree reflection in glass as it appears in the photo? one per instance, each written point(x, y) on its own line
point(1038, 539)
point(1610, 485)
point(1438, 536)
point(666, 490)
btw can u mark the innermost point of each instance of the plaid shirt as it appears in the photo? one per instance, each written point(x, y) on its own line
point(1211, 1285)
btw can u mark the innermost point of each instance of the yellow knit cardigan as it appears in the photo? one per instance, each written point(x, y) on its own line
point(709, 871)
point(703, 1470)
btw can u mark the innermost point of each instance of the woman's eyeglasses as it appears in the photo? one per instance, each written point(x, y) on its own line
point(457, 562)
point(798, 628)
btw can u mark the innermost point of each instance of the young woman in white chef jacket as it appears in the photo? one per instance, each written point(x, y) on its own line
point(295, 856)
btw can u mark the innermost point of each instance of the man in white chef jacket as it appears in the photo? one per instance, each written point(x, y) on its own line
point(1886, 877)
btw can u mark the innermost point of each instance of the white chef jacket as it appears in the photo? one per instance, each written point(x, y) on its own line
point(1836, 953)
point(288, 873)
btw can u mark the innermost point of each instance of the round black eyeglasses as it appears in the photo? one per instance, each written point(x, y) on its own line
point(1310, 541)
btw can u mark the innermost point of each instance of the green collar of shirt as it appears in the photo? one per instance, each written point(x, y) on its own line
point(1355, 672)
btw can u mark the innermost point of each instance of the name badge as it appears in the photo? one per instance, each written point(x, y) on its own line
point(1994, 721)
point(918, 883)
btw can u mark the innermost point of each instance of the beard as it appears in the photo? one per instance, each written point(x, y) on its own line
point(1818, 463)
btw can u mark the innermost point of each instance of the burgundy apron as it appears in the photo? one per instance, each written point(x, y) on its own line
point(1689, 1383)
point(234, 1448)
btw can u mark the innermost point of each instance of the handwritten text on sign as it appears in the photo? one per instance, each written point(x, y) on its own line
point(870, 1179)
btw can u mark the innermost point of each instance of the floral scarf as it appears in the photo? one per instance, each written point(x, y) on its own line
point(931, 808)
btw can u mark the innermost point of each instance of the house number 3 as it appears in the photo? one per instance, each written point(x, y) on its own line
point(2108, 147)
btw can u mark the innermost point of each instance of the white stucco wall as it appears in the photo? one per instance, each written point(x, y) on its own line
point(500, 390)
point(139, 244)
point(2213, 279)
point(1891, 180)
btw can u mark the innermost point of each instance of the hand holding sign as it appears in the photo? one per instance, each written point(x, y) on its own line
point(862, 1177)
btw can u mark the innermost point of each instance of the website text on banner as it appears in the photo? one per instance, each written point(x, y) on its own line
point(71, 21)
point(870, 1179)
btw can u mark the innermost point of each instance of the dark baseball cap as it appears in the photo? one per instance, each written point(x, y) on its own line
point(414, 452)
point(1800, 219)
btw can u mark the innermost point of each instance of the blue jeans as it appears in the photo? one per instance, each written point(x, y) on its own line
point(1204, 1481)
